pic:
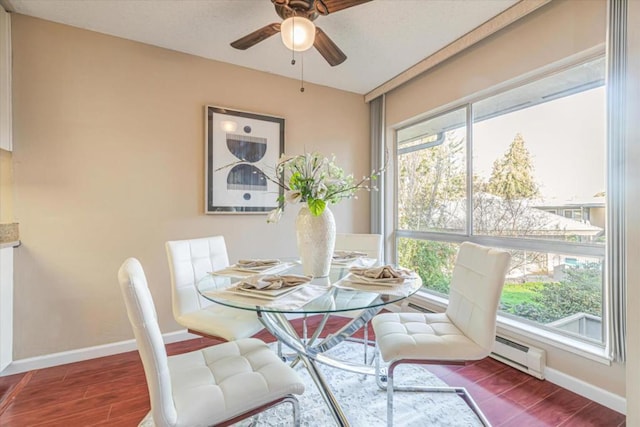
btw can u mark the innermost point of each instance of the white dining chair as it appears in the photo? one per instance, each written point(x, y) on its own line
point(217, 385)
point(371, 244)
point(190, 260)
point(464, 332)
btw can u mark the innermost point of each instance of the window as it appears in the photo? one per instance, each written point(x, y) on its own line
point(575, 214)
point(523, 169)
point(432, 171)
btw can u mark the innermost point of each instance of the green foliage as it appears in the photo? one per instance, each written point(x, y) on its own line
point(316, 206)
point(315, 180)
point(512, 176)
point(433, 261)
point(517, 294)
point(501, 205)
point(543, 302)
point(431, 182)
point(579, 292)
point(431, 195)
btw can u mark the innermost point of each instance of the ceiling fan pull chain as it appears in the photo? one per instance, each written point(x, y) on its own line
point(301, 72)
point(293, 52)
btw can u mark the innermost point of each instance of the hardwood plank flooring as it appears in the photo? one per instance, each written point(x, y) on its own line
point(111, 391)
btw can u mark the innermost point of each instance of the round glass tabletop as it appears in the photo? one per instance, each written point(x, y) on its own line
point(339, 292)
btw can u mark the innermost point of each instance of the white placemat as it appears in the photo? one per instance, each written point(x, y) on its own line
point(235, 271)
point(397, 289)
point(302, 295)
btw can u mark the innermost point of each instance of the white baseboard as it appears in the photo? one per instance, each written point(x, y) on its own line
point(591, 392)
point(394, 308)
point(78, 355)
point(601, 396)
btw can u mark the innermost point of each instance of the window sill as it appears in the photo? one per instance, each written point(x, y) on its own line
point(525, 332)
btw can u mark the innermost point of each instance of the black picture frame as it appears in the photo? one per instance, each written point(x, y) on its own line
point(241, 153)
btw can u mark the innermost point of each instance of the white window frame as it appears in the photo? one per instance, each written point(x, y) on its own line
point(596, 352)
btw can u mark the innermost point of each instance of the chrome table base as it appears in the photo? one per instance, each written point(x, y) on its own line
point(312, 351)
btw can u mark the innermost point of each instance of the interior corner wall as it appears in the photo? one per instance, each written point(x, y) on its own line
point(633, 214)
point(558, 30)
point(108, 163)
point(6, 187)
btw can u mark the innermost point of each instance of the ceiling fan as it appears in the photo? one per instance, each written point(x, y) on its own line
point(308, 10)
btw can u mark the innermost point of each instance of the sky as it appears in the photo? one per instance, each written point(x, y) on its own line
point(565, 138)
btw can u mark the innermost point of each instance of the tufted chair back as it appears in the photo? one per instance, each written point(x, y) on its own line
point(476, 285)
point(144, 321)
point(189, 260)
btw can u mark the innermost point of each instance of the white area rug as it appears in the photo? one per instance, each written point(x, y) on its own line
point(365, 404)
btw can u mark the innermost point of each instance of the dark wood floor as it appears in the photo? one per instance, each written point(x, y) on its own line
point(112, 391)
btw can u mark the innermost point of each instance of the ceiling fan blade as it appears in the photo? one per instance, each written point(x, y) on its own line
point(325, 7)
point(256, 37)
point(328, 49)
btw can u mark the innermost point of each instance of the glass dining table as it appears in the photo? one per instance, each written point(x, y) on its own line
point(337, 294)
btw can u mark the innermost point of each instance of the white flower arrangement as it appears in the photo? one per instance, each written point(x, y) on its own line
point(316, 180)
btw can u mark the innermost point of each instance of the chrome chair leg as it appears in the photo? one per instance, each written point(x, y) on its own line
point(296, 410)
point(385, 375)
point(254, 420)
point(255, 413)
point(390, 396)
point(381, 373)
point(366, 341)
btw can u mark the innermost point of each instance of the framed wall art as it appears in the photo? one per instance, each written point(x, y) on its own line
point(241, 153)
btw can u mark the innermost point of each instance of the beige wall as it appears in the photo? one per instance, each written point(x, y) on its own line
point(558, 30)
point(6, 187)
point(108, 163)
point(633, 216)
point(553, 32)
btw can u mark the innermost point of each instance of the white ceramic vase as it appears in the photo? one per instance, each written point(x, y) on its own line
point(316, 237)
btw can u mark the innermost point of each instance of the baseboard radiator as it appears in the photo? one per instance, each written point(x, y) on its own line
point(527, 359)
point(521, 356)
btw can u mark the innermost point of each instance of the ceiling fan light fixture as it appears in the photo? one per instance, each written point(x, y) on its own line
point(297, 33)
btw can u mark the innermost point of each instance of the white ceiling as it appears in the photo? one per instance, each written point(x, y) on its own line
point(381, 38)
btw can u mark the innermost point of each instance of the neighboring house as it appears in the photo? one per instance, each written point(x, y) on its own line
point(590, 211)
point(492, 215)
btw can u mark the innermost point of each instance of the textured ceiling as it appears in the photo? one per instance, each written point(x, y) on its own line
point(381, 38)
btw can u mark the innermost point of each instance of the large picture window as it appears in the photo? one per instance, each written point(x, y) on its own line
point(432, 166)
point(524, 170)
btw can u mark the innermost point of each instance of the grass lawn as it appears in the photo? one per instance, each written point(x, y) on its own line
point(514, 294)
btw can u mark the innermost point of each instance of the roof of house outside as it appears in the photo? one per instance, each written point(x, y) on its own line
point(589, 202)
point(496, 216)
